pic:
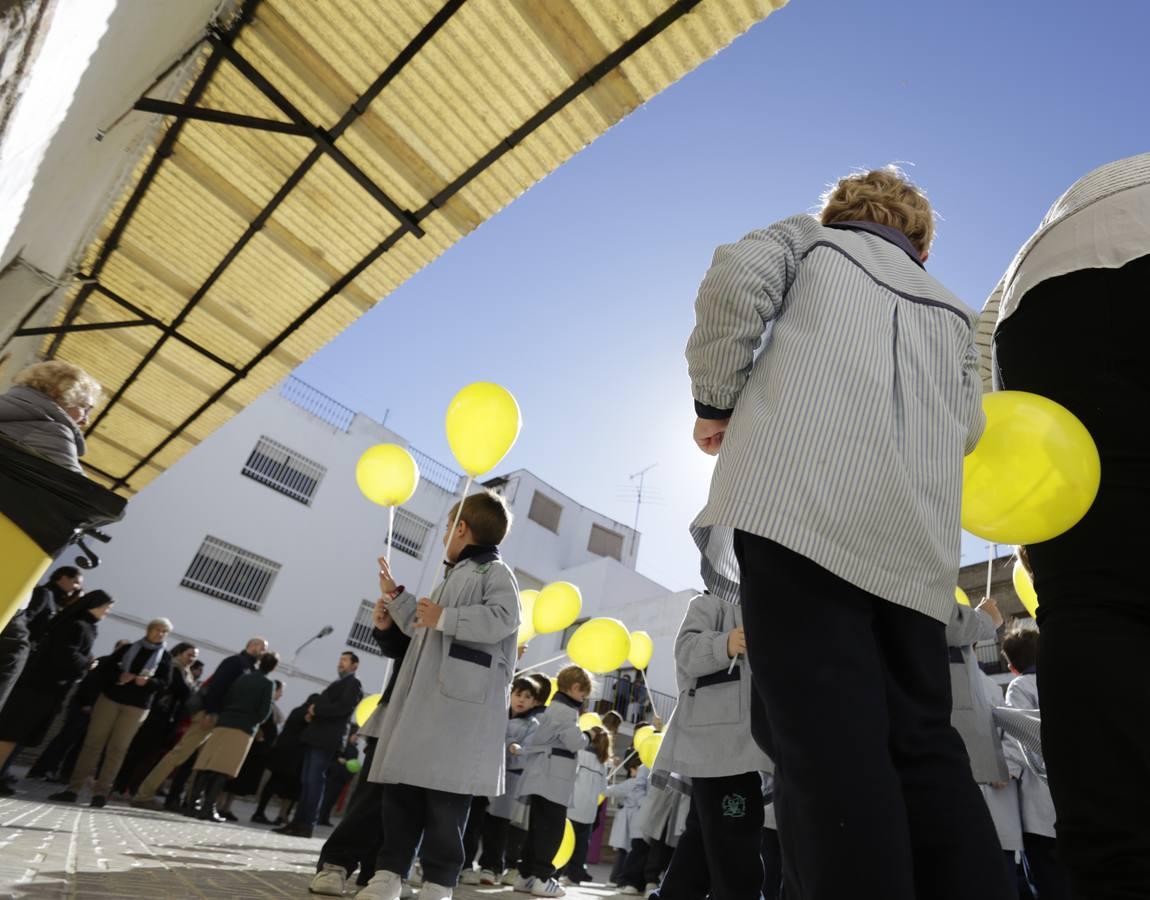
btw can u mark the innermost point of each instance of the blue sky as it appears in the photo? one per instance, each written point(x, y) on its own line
point(578, 297)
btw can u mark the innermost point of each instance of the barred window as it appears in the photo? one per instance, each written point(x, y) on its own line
point(230, 573)
point(284, 470)
point(545, 511)
point(606, 543)
point(411, 533)
point(360, 635)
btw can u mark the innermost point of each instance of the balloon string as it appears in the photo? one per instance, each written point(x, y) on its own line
point(442, 573)
point(989, 566)
point(545, 662)
point(390, 532)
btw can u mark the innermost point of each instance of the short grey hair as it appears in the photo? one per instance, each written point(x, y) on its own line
point(161, 623)
point(66, 384)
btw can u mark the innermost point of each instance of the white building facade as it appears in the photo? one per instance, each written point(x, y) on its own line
point(262, 531)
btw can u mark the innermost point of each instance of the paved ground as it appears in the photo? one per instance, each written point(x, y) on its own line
point(59, 851)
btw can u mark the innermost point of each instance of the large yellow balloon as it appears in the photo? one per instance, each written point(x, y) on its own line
point(642, 649)
point(483, 422)
point(527, 621)
point(590, 720)
point(1034, 473)
point(640, 735)
point(557, 607)
point(600, 645)
point(566, 847)
point(960, 597)
point(387, 475)
point(366, 707)
point(1024, 587)
point(649, 749)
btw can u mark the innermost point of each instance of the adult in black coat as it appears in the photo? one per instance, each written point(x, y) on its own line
point(325, 735)
point(285, 761)
point(60, 660)
point(58, 759)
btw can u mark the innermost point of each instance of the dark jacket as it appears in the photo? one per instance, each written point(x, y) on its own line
point(215, 692)
point(249, 703)
point(64, 654)
point(132, 694)
point(37, 422)
point(286, 757)
point(93, 683)
point(393, 644)
point(331, 723)
point(47, 600)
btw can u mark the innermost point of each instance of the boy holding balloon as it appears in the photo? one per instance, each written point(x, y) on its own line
point(834, 515)
point(548, 781)
point(443, 733)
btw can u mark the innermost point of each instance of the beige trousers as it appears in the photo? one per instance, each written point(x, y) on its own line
point(110, 731)
point(198, 731)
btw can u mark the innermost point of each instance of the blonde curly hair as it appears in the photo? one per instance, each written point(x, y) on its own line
point(885, 196)
point(66, 384)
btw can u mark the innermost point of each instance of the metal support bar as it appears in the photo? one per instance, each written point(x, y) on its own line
point(323, 140)
point(219, 116)
point(628, 48)
point(163, 151)
point(87, 326)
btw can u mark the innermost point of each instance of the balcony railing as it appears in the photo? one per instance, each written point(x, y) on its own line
point(317, 403)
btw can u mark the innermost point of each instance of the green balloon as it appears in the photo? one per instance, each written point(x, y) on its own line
point(354, 765)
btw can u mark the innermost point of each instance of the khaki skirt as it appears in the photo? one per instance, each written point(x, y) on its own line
point(224, 752)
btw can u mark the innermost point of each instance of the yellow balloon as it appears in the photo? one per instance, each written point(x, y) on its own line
point(602, 797)
point(527, 621)
point(640, 735)
point(642, 649)
point(1034, 473)
point(387, 475)
point(649, 749)
point(566, 847)
point(600, 645)
point(1024, 587)
point(590, 720)
point(366, 707)
point(483, 422)
point(557, 607)
point(960, 596)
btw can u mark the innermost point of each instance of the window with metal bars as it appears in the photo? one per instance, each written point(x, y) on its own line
point(230, 573)
point(411, 533)
point(360, 635)
point(284, 470)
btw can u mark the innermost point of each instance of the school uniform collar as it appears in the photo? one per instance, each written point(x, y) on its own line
point(1033, 670)
point(560, 697)
point(885, 232)
point(477, 552)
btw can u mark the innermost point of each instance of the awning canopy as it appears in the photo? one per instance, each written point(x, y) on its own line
point(325, 153)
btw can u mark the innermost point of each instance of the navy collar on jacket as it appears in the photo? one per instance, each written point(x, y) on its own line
point(566, 701)
point(885, 232)
point(1033, 670)
point(478, 552)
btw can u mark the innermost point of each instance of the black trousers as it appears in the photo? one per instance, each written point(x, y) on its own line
point(1091, 580)
point(688, 877)
point(431, 822)
point(495, 838)
point(474, 834)
point(331, 792)
point(544, 835)
point(772, 865)
point(357, 838)
point(14, 650)
point(1045, 872)
point(70, 737)
point(874, 795)
point(730, 813)
point(576, 868)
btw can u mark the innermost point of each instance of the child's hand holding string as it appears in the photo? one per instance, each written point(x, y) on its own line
point(427, 614)
point(736, 645)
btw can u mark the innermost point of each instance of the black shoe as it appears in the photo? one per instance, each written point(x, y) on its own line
point(63, 797)
point(6, 789)
point(291, 829)
point(325, 823)
point(209, 814)
point(228, 815)
point(99, 801)
point(260, 819)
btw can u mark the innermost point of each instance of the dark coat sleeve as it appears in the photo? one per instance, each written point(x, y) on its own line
point(392, 642)
point(222, 679)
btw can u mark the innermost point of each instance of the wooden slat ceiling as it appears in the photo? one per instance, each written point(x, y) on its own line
point(248, 249)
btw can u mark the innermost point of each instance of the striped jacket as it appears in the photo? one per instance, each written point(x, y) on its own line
point(848, 429)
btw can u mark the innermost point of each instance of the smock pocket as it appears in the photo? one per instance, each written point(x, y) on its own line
point(465, 674)
point(717, 699)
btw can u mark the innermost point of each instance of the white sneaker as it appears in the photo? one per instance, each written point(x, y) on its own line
point(469, 876)
point(329, 881)
point(509, 878)
point(486, 876)
point(548, 887)
point(383, 886)
point(524, 885)
point(631, 891)
point(407, 892)
point(431, 891)
point(650, 889)
point(416, 876)
point(565, 881)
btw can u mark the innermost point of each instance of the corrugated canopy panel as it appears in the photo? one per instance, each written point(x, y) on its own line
point(358, 140)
